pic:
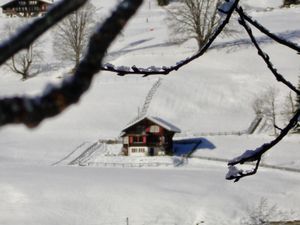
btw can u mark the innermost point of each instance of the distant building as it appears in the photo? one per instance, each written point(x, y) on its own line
point(26, 8)
point(149, 136)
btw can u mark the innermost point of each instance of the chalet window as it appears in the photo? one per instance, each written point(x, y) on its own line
point(138, 150)
point(154, 129)
point(139, 139)
point(126, 140)
point(153, 139)
point(140, 128)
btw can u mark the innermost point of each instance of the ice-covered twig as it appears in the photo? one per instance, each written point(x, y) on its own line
point(31, 111)
point(263, 55)
point(124, 70)
point(255, 155)
point(166, 70)
point(236, 174)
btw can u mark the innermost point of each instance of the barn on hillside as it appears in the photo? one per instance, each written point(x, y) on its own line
point(149, 136)
point(26, 8)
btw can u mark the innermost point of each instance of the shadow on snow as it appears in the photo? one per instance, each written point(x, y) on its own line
point(187, 147)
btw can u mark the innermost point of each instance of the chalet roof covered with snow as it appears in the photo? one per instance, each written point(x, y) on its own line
point(159, 121)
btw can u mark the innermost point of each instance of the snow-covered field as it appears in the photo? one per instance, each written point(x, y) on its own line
point(210, 95)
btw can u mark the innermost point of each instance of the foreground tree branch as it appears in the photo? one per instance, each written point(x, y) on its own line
point(264, 30)
point(31, 111)
point(255, 155)
point(263, 55)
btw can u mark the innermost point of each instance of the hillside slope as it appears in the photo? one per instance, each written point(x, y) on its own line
point(211, 94)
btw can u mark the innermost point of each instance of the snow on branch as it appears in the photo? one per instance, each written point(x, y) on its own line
point(227, 8)
point(275, 37)
point(31, 111)
point(263, 55)
point(255, 155)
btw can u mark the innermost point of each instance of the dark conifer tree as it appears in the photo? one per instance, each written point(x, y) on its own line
point(163, 2)
point(290, 2)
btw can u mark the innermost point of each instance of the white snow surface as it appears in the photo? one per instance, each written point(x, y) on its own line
point(212, 94)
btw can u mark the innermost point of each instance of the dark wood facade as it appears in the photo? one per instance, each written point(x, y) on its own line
point(149, 136)
point(26, 8)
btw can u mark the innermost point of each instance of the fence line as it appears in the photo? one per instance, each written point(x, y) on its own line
point(289, 169)
point(128, 165)
point(83, 157)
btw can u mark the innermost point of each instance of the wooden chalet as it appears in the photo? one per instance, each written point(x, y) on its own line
point(26, 8)
point(149, 136)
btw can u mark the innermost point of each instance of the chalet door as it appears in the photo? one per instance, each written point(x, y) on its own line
point(151, 152)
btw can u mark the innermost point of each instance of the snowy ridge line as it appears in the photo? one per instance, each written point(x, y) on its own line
point(282, 168)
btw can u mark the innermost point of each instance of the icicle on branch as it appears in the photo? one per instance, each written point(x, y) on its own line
point(31, 111)
point(227, 9)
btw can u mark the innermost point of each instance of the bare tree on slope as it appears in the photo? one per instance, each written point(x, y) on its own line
point(71, 35)
point(193, 19)
point(25, 63)
point(265, 105)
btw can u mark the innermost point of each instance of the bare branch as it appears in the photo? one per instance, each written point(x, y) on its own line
point(271, 35)
point(31, 111)
point(264, 56)
point(255, 155)
point(236, 174)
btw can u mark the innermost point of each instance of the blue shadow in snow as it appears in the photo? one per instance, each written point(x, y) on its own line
point(190, 145)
